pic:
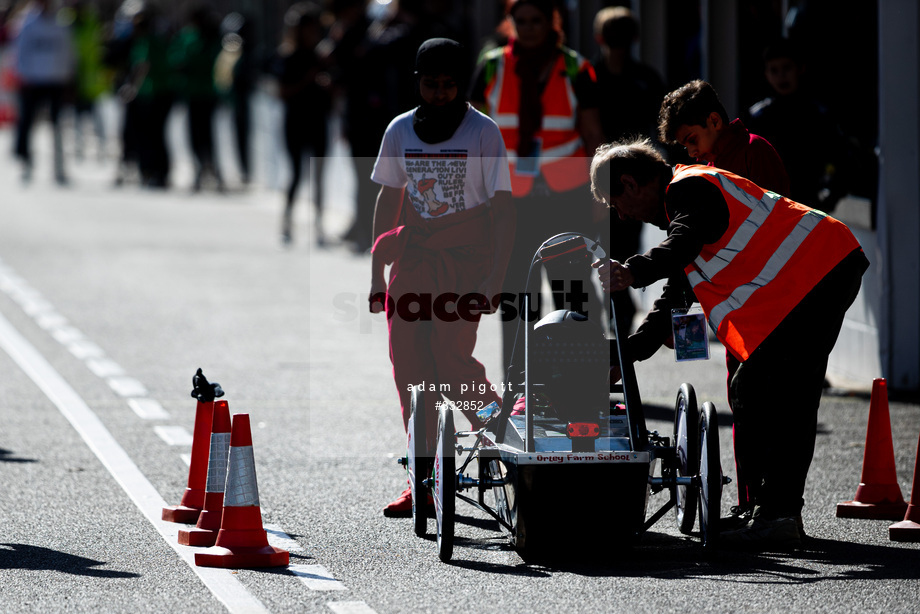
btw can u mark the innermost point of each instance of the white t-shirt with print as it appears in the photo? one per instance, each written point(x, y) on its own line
point(460, 173)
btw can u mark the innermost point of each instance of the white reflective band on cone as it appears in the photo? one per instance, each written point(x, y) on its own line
point(242, 489)
point(217, 461)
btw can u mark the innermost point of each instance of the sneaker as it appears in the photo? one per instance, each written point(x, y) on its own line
point(764, 534)
point(740, 517)
point(402, 506)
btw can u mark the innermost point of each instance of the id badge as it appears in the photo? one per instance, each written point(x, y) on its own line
point(530, 166)
point(691, 335)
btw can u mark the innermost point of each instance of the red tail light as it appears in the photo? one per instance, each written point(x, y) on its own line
point(583, 430)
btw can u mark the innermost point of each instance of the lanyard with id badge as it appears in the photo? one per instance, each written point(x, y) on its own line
point(691, 336)
point(529, 166)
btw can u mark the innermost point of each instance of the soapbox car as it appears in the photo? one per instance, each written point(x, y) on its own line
point(577, 466)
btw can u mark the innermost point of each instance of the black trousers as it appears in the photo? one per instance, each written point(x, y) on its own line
point(31, 99)
point(776, 392)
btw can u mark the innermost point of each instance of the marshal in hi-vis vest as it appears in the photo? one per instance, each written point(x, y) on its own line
point(563, 162)
point(773, 253)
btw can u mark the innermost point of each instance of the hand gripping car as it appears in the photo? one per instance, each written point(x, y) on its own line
point(579, 457)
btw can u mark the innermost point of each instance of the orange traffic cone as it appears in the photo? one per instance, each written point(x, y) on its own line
point(193, 498)
point(878, 495)
point(242, 542)
point(205, 532)
point(908, 530)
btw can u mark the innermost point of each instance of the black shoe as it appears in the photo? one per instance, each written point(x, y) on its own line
point(764, 535)
point(740, 517)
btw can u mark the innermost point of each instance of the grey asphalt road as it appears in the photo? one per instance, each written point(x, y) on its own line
point(111, 298)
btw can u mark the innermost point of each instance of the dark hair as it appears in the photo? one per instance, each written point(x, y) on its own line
point(637, 158)
point(617, 26)
point(547, 7)
point(782, 48)
point(690, 105)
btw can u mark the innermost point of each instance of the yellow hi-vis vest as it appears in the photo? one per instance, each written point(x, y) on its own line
point(563, 161)
point(773, 253)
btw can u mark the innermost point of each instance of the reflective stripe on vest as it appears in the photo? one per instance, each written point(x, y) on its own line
point(792, 232)
point(563, 161)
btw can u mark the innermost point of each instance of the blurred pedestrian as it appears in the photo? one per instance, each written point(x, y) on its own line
point(236, 73)
point(148, 94)
point(193, 53)
point(631, 93)
point(817, 154)
point(447, 162)
point(544, 98)
point(118, 44)
point(304, 87)
point(46, 66)
point(93, 79)
point(380, 86)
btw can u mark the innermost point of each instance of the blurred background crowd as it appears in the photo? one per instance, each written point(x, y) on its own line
point(342, 69)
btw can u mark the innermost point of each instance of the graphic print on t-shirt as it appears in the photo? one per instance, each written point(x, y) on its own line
point(436, 181)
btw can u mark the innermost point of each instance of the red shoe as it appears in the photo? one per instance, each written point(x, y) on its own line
point(402, 506)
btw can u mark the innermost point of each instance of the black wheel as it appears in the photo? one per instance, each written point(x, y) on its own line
point(418, 463)
point(445, 484)
point(686, 442)
point(710, 476)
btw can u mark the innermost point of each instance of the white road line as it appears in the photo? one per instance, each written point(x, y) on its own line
point(66, 334)
point(350, 607)
point(174, 435)
point(279, 539)
point(84, 349)
point(148, 409)
point(316, 578)
point(125, 386)
point(104, 367)
point(50, 320)
point(221, 582)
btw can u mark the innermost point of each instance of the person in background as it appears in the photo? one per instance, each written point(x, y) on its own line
point(193, 53)
point(304, 87)
point(93, 78)
point(543, 96)
point(379, 85)
point(631, 92)
point(148, 94)
point(445, 222)
point(774, 279)
point(46, 65)
point(235, 74)
point(814, 149)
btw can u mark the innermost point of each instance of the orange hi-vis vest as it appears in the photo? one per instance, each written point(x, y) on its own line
point(562, 158)
point(773, 253)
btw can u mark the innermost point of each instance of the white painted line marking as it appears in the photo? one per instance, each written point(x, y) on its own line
point(36, 307)
point(104, 367)
point(279, 539)
point(350, 607)
point(187, 459)
point(148, 409)
point(66, 334)
point(126, 386)
point(316, 578)
point(51, 320)
point(221, 582)
point(174, 435)
point(84, 349)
